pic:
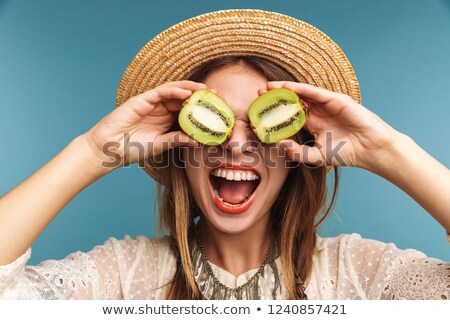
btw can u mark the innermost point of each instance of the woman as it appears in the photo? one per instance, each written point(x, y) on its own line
point(228, 238)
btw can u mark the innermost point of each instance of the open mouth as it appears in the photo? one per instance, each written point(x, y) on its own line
point(233, 189)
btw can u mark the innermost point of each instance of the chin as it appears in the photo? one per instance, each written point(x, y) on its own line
point(233, 224)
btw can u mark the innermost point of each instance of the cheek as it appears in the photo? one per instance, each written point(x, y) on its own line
point(192, 165)
point(201, 158)
point(196, 164)
point(276, 160)
point(277, 168)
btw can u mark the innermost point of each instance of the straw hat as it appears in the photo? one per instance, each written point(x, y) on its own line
point(303, 50)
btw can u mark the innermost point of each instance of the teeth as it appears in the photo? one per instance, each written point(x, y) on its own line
point(235, 175)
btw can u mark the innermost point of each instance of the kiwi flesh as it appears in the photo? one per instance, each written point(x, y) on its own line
point(276, 115)
point(206, 118)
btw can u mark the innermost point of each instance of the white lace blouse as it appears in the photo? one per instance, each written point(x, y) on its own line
point(345, 267)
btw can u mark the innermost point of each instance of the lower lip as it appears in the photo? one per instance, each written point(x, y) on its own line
point(231, 209)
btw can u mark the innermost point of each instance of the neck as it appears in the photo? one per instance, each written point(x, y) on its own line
point(236, 252)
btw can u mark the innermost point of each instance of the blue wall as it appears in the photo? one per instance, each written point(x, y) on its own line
point(61, 61)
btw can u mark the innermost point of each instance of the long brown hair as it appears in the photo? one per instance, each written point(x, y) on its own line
point(302, 205)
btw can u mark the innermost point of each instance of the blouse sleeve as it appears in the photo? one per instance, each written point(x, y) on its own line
point(103, 273)
point(369, 269)
point(416, 277)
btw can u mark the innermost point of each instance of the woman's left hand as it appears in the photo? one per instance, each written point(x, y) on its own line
point(346, 133)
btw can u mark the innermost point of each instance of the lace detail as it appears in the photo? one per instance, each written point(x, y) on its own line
point(349, 267)
point(345, 267)
point(125, 269)
point(10, 276)
point(418, 279)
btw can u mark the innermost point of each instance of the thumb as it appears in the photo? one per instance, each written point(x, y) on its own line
point(302, 153)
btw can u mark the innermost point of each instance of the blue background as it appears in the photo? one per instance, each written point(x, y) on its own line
point(61, 62)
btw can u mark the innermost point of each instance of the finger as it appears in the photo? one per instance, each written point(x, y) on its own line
point(162, 94)
point(173, 105)
point(171, 140)
point(275, 84)
point(144, 103)
point(307, 91)
point(302, 153)
point(262, 91)
point(185, 84)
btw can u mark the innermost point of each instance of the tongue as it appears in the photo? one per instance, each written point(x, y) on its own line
point(235, 192)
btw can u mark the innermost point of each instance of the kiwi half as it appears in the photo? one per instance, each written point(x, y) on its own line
point(206, 118)
point(276, 115)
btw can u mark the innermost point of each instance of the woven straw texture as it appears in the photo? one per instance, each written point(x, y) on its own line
point(303, 50)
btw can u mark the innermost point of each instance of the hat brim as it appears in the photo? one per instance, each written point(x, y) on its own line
point(301, 49)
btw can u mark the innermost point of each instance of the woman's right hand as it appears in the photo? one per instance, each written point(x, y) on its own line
point(147, 118)
point(144, 120)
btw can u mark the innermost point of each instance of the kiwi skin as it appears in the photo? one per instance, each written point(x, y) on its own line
point(276, 115)
point(211, 125)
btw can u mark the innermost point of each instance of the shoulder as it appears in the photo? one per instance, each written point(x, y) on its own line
point(351, 266)
point(361, 253)
point(345, 240)
point(127, 241)
point(138, 244)
point(129, 250)
point(357, 244)
point(141, 263)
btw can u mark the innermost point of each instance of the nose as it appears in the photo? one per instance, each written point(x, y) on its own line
point(242, 140)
